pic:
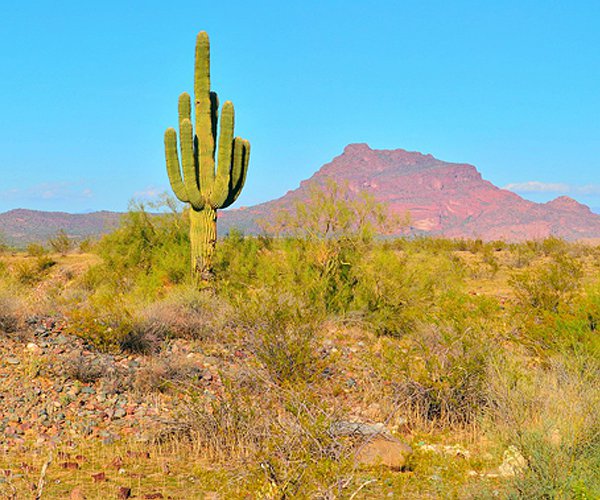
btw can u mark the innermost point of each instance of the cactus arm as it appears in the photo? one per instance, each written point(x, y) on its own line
point(188, 163)
point(173, 168)
point(204, 107)
point(184, 107)
point(220, 190)
point(241, 158)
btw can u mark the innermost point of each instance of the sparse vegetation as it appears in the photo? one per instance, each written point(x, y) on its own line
point(482, 356)
point(61, 243)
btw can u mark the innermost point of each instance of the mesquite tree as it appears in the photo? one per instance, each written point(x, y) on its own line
point(198, 180)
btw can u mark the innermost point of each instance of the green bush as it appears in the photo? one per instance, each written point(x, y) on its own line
point(61, 243)
point(549, 285)
point(147, 252)
point(550, 414)
point(444, 376)
point(282, 335)
point(36, 250)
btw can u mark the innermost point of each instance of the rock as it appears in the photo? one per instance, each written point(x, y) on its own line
point(124, 492)
point(346, 428)
point(33, 348)
point(390, 453)
point(12, 361)
point(99, 477)
point(119, 413)
point(513, 462)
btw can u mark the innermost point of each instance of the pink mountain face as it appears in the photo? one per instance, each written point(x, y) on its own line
point(444, 199)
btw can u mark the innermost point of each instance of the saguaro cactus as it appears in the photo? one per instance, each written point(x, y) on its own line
point(204, 185)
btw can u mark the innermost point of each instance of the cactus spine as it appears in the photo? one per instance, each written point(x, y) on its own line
point(197, 180)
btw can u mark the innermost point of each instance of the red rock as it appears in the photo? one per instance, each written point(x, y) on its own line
point(70, 465)
point(124, 492)
point(99, 477)
point(444, 199)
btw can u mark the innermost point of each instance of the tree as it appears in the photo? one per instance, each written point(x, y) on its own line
point(61, 243)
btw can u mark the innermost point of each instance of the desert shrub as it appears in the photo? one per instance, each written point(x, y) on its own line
point(283, 430)
point(334, 212)
point(100, 277)
point(573, 331)
point(233, 425)
point(103, 327)
point(552, 246)
point(282, 336)
point(521, 255)
point(36, 250)
point(26, 273)
point(30, 273)
point(4, 246)
point(323, 237)
point(86, 245)
point(163, 373)
point(43, 263)
point(489, 259)
point(61, 243)
point(138, 339)
point(393, 292)
point(549, 413)
point(187, 313)
point(442, 376)
point(547, 286)
point(86, 369)
point(148, 251)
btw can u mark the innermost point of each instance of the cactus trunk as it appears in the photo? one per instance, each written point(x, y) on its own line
point(206, 184)
point(203, 239)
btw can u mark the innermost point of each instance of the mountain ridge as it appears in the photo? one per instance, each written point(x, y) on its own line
point(443, 199)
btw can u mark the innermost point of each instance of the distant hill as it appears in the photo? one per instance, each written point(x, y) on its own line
point(443, 199)
point(20, 227)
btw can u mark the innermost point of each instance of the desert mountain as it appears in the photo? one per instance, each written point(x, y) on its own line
point(20, 227)
point(443, 199)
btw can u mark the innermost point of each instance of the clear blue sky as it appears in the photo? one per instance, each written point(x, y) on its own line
point(88, 88)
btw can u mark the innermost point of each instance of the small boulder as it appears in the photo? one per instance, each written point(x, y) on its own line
point(346, 428)
point(382, 451)
point(513, 463)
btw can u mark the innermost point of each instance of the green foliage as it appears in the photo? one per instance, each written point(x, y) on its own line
point(86, 245)
point(549, 413)
point(145, 253)
point(394, 301)
point(30, 273)
point(36, 250)
point(4, 247)
point(61, 243)
point(549, 285)
point(106, 328)
point(282, 336)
